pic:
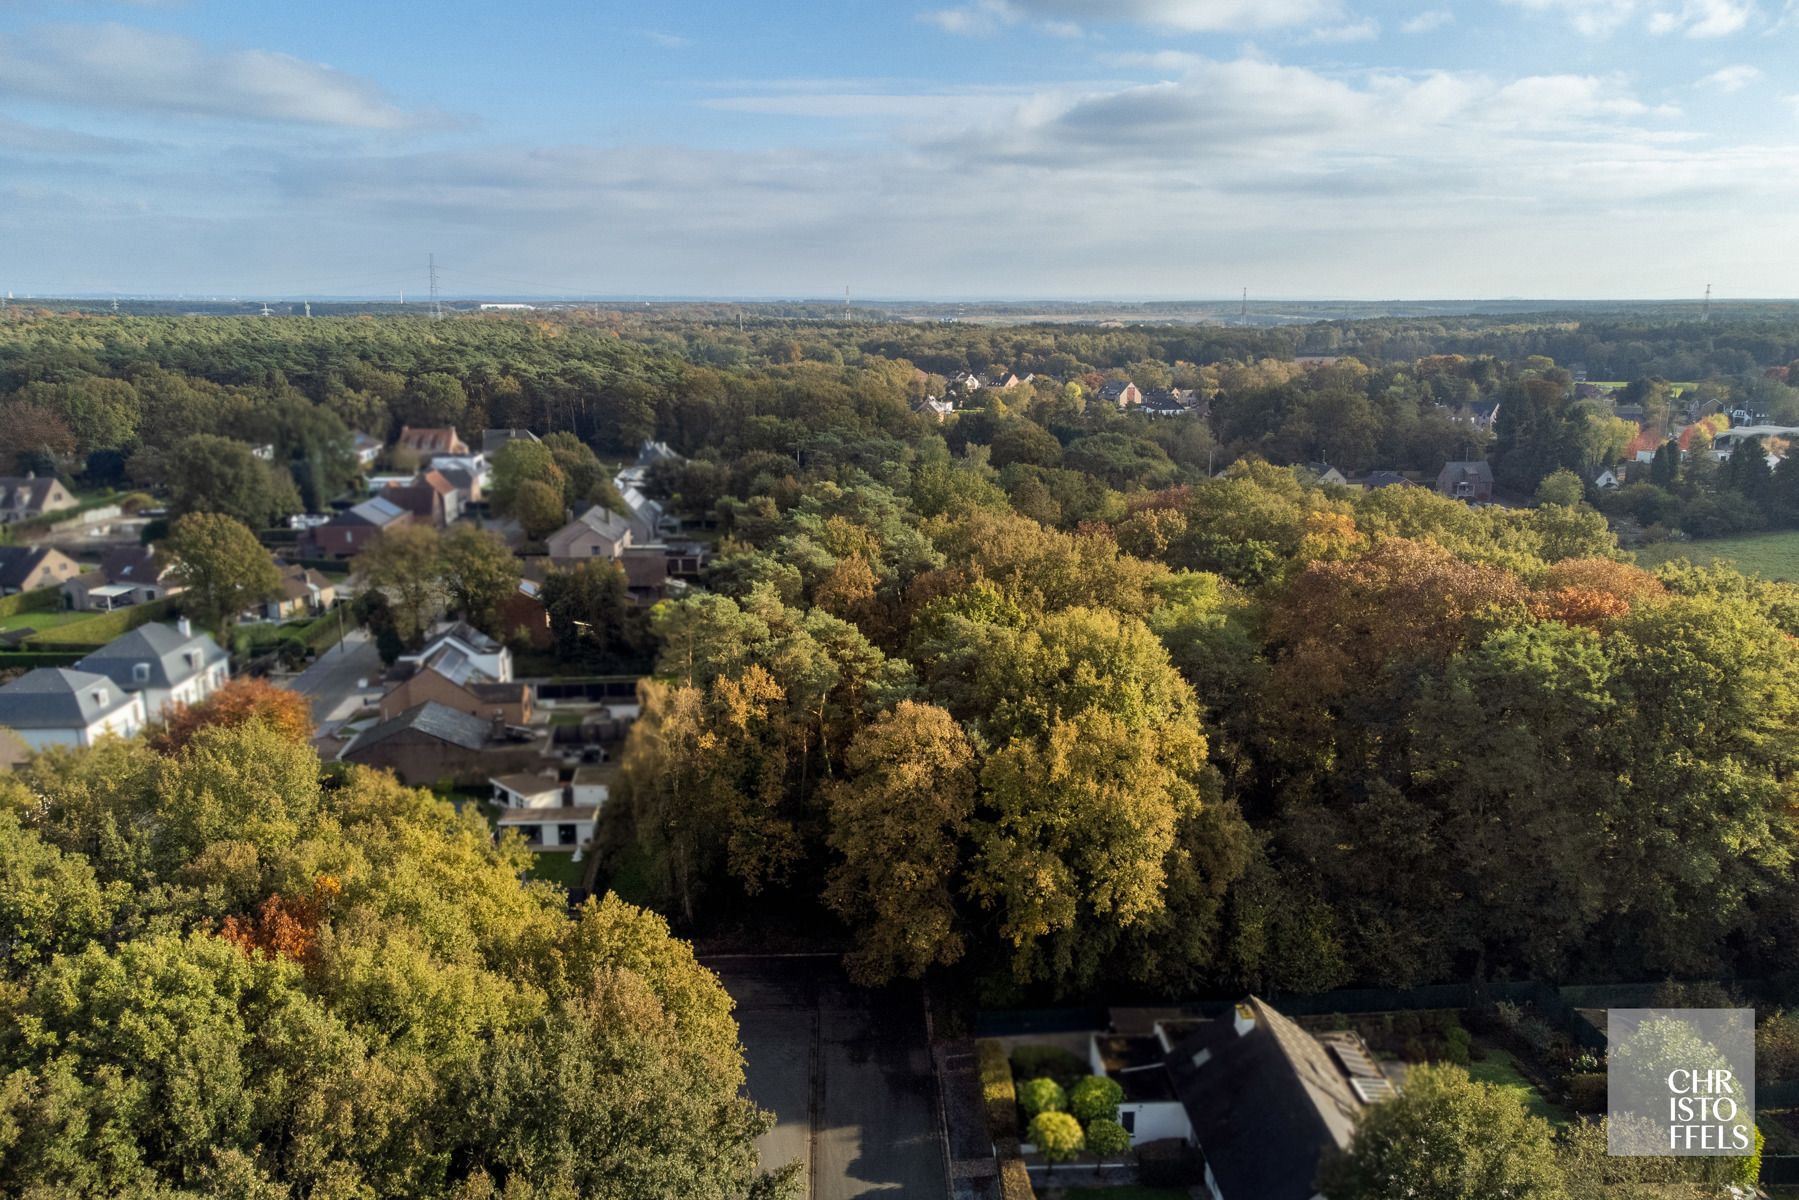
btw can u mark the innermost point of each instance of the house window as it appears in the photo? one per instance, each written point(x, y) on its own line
point(100, 697)
point(1127, 1117)
point(565, 835)
point(140, 672)
point(533, 834)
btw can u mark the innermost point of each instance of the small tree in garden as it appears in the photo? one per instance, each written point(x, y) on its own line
point(1107, 1138)
point(1057, 1136)
point(1041, 1096)
point(1095, 1098)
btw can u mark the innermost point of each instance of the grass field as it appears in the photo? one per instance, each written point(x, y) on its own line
point(1500, 1069)
point(559, 868)
point(1767, 555)
point(47, 619)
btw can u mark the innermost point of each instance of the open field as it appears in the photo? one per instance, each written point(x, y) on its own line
point(1767, 555)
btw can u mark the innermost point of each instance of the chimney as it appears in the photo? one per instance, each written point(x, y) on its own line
point(185, 627)
point(1246, 1019)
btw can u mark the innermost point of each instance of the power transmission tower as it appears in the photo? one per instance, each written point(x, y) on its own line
point(1243, 317)
point(1706, 315)
point(115, 306)
point(309, 308)
point(437, 310)
point(266, 310)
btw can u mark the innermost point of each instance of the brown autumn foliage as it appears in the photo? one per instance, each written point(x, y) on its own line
point(1629, 584)
point(284, 927)
point(239, 702)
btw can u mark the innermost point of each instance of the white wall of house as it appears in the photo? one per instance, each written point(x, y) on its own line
point(160, 700)
point(547, 835)
point(1153, 1120)
point(127, 721)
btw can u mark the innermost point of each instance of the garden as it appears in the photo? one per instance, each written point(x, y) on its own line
point(1044, 1102)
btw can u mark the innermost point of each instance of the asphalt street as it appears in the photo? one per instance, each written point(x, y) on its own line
point(847, 1074)
point(333, 681)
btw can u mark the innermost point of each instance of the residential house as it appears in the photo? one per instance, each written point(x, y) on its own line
point(54, 706)
point(1327, 473)
point(1481, 415)
point(1466, 481)
point(1001, 378)
point(1151, 1108)
point(597, 533)
point(649, 523)
point(28, 568)
point(1163, 402)
point(28, 496)
point(463, 649)
point(1268, 1101)
point(431, 742)
point(427, 442)
point(1380, 479)
point(1124, 395)
point(1643, 446)
point(351, 531)
point(126, 576)
point(303, 592)
point(422, 500)
point(168, 665)
point(936, 407)
point(367, 449)
point(1606, 481)
point(495, 440)
point(470, 484)
point(542, 811)
point(468, 692)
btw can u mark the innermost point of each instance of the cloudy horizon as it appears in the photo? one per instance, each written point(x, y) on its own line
point(1000, 149)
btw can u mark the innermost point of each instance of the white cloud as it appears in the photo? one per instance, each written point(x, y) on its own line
point(1364, 30)
point(1730, 79)
point(121, 67)
point(1429, 20)
point(1693, 18)
point(1185, 16)
point(668, 41)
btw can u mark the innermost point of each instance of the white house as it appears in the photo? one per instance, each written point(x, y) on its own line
point(463, 652)
point(1151, 1109)
point(166, 665)
point(54, 706)
point(540, 810)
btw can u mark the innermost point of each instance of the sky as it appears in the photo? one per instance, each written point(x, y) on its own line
point(943, 149)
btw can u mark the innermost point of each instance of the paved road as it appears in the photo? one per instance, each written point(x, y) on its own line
point(333, 678)
point(847, 1074)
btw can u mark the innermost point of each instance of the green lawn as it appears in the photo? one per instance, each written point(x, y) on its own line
point(1767, 555)
point(558, 868)
point(47, 619)
point(1500, 1069)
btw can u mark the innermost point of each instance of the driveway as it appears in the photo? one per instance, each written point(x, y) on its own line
point(334, 680)
point(846, 1072)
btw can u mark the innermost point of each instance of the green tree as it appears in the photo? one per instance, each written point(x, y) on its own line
point(433, 399)
point(1107, 1138)
point(225, 570)
point(205, 473)
point(1041, 1095)
point(479, 573)
point(1561, 487)
point(518, 463)
point(1446, 1137)
point(1095, 1098)
point(538, 508)
point(406, 565)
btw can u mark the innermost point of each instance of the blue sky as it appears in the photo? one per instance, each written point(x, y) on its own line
point(948, 148)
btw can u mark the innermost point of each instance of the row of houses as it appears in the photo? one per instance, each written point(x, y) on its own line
point(118, 689)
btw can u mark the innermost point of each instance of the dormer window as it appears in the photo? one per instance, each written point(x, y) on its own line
point(100, 698)
point(140, 672)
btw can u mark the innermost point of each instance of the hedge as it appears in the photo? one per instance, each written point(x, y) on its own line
point(27, 659)
point(997, 1091)
point(41, 600)
point(1014, 1179)
point(101, 629)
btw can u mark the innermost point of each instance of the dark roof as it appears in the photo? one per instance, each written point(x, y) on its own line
point(18, 562)
point(132, 564)
point(431, 719)
point(1467, 470)
point(1136, 1065)
point(58, 698)
point(1266, 1105)
point(377, 512)
point(163, 648)
point(1381, 479)
point(494, 440)
point(1114, 389)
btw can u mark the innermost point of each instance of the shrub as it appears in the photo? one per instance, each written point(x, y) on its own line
point(1586, 1092)
point(1458, 1047)
point(1509, 1015)
point(997, 1091)
point(1028, 1062)
point(1041, 1095)
point(1095, 1098)
point(1107, 1138)
point(1057, 1136)
point(1014, 1179)
point(1777, 1047)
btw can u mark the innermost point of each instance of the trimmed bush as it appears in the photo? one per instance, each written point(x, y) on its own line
point(1095, 1098)
point(103, 628)
point(997, 1091)
point(1014, 1179)
point(1028, 1062)
point(1057, 1136)
point(1038, 1096)
point(1107, 1138)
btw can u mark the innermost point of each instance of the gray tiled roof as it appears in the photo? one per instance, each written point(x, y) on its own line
point(161, 647)
point(58, 698)
point(430, 718)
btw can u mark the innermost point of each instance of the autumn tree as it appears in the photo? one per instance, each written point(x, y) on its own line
point(405, 565)
point(240, 702)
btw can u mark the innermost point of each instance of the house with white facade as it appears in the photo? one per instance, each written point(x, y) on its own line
point(544, 812)
point(55, 706)
point(166, 665)
point(462, 654)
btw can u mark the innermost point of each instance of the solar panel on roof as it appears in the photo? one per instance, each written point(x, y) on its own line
point(1372, 1091)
